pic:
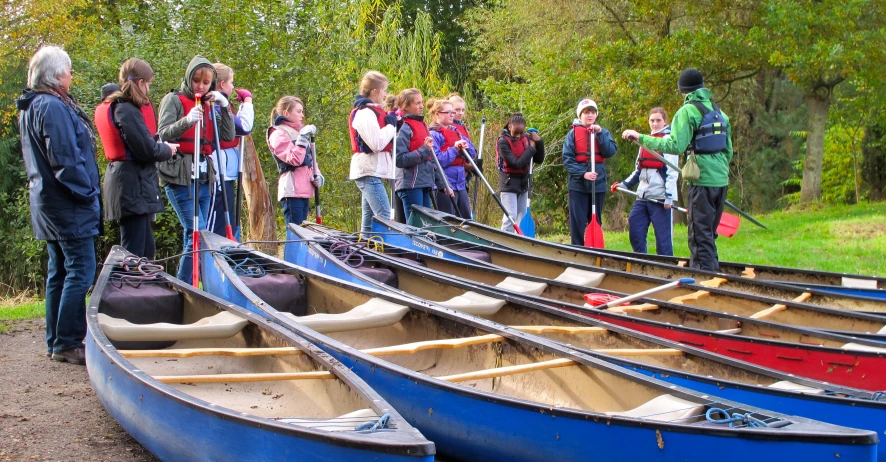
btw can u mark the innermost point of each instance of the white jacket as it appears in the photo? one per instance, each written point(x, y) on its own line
point(377, 163)
point(655, 184)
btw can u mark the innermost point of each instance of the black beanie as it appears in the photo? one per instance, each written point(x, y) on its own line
point(690, 80)
point(108, 89)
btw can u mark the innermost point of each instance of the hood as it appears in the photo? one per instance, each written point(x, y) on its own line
point(196, 63)
point(360, 100)
point(577, 123)
point(24, 101)
point(701, 95)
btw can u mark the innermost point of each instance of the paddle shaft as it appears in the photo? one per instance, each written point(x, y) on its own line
point(445, 184)
point(480, 158)
point(229, 233)
point(239, 205)
point(195, 237)
point(492, 192)
point(316, 167)
point(393, 212)
point(646, 293)
point(628, 191)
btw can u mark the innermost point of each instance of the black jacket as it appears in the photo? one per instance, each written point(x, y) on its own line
point(132, 186)
point(515, 182)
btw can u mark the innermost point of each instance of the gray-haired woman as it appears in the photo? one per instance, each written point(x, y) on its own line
point(58, 145)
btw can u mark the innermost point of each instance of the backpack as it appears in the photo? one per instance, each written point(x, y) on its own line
point(710, 137)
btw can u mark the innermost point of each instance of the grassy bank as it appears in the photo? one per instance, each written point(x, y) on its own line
point(11, 310)
point(841, 238)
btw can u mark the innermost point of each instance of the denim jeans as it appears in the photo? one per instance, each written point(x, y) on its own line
point(295, 209)
point(182, 201)
point(375, 200)
point(71, 271)
point(417, 196)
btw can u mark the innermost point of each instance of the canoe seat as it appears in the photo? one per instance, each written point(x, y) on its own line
point(788, 385)
point(474, 303)
point(666, 408)
point(374, 313)
point(882, 331)
point(733, 331)
point(477, 255)
point(857, 347)
point(580, 277)
point(221, 325)
point(382, 275)
point(522, 286)
point(859, 283)
point(342, 423)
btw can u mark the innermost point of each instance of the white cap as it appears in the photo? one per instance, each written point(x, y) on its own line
point(584, 104)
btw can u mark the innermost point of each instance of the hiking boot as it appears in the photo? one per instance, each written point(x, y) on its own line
point(74, 356)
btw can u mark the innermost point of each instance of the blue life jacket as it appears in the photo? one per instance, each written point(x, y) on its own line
point(710, 137)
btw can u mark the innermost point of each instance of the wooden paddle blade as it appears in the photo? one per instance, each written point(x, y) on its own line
point(594, 234)
point(728, 225)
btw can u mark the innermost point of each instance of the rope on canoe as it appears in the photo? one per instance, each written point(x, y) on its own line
point(742, 419)
point(244, 268)
point(878, 395)
point(371, 427)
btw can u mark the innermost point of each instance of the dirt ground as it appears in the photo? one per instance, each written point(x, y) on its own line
point(48, 410)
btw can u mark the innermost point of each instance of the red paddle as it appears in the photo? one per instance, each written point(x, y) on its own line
point(594, 233)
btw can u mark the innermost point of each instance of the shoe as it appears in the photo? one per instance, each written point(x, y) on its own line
point(74, 356)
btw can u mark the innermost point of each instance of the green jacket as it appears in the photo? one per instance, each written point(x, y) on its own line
point(714, 167)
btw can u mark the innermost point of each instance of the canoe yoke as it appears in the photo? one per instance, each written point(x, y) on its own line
point(218, 326)
point(580, 277)
point(374, 313)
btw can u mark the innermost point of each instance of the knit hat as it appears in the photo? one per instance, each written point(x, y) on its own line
point(584, 104)
point(108, 89)
point(690, 80)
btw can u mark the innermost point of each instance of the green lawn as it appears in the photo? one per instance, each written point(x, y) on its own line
point(841, 238)
point(28, 310)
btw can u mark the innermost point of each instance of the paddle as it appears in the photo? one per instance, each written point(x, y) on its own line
point(594, 233)
point(492, 192)
point(480, 163)
point(600, 300)
point(728, 223)
point(317, 210)
point(527, 223)
point(446, 185)
point(393, 182)
point(195, 238)
point(222, 156)
point(239, 207)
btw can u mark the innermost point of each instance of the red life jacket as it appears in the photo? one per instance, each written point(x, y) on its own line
point(207, 138)
point(462, 130)
point(647, 160)
point(419, 133)
point(450, 136)
point(583, 145)
point(518, 147)
point(109, 131)
point(357, 144)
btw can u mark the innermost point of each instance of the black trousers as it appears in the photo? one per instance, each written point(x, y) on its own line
point(705, 204)
point(137, 236)
point(444, 202)
point(580, 213)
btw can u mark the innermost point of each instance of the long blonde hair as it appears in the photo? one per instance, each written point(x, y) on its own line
point(372, 80)
point(286, 103)
point(133, 70)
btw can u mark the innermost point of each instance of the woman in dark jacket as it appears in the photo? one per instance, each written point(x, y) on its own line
point(127, 126)
point(516, 151)
point(417, 173)
point(58, 147)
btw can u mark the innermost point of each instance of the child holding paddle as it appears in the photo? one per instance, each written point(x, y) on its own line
point(451, 148)
point(515, 151)
point(586, 183)
point(417, 172)
point(656, 192)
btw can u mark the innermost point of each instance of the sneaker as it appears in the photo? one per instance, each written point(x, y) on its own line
point(74, 356)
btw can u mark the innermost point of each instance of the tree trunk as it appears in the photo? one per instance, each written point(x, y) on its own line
point(262, 220)
point(818, 106)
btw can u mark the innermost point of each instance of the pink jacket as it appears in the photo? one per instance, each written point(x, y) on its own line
point(296, 183)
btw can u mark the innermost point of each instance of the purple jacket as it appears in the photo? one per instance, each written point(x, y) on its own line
point(454, 173)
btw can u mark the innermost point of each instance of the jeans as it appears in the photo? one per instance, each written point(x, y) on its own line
point(71, 271)
point(644, 213)
point(375, 200)
point(182, 201)
point(515, 204)
point(295, 209)
point(417, 196)
point(580, 213)
point(137, 236)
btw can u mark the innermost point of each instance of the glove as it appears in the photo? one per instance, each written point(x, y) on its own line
point(319, 180)
point(195, 115)
point(307, 131)
point(220, 99)
point(242, 94)
point(391, 119)
point(614, 186)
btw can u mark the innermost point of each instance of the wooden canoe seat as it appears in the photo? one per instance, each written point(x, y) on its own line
point(859, 283)
point(580, 277)
point(788, 385)
point(713, 282)
point(666, 408)
point(474, 303)
point(342, 423)
point(374, 313)
point(221, 325)
point(857, 347)
point(629, 308)
point(733, 331)
point(768, 311)
point(522, 286)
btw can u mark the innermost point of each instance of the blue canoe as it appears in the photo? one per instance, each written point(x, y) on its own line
point(691, 367)
point(192, 377)
point(484, 391)
point(749, 278)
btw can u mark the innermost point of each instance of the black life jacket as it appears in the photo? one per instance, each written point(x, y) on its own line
point(710, 137)
point(283, 167)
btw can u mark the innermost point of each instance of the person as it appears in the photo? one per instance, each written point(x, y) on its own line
point(290, 142)
point(179, 114)
point(698, 126)
point(460, 108)
point(417, 172)
point(126, 125)
point(392, 110)
point(58, 146)
point(229, 155)
point(372, 162)
point(586, 184)
point(450, 148)
point(515, 151)
point(656, 191)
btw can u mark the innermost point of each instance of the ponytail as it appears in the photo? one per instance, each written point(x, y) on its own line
point(286, 103)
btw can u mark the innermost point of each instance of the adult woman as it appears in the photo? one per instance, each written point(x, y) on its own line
point(516, 150)
point(372, 161)
point(179, 114)
point(58, 146)
point(417, 172)
point(127, 126)
point(290, 143)
point(450, 148)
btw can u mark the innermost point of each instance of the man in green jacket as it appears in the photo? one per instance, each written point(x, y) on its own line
point(707, 195)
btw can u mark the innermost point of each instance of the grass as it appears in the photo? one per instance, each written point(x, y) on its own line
point(14, 309)
point(844, 238)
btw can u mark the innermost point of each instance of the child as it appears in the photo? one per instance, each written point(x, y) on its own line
point(290, 143)
point(449, 146)
point(417, 172)
point(584, 183)
point(516, 151)
point(657, 182)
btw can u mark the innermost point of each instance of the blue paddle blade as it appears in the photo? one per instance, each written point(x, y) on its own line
point(527, 224)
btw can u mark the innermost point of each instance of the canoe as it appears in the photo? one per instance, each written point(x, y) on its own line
point(803, 352)
point(684, 365)
point(442, 224)
point(705, 294)
point(484, 391)
point(192, 377)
